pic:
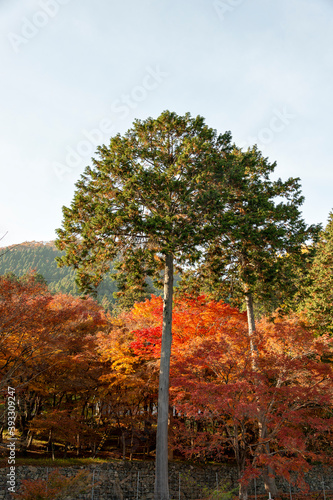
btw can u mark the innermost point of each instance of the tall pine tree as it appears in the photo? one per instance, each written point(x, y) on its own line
point(149, 201)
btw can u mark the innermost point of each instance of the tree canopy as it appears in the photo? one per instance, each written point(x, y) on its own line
point(260, 251)
point(148, 200)
point(319, 301)
point(146, 196)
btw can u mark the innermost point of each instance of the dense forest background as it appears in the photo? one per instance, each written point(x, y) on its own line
point(40, 257)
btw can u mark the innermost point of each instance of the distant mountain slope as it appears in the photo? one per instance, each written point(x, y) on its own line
point(40, 256)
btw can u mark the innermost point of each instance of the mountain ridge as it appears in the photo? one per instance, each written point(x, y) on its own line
point(24, 257)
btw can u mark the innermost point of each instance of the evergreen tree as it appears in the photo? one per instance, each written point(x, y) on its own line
point(319, 303)
point(148, 201)
point(259, 254)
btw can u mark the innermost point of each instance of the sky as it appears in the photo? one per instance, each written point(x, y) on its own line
point(76, 72)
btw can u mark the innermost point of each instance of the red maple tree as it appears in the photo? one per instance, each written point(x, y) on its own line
point(223, 405)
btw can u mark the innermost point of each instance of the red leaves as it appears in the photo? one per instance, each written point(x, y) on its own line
point(280, 404)
point(192, 319)
point(148, 342)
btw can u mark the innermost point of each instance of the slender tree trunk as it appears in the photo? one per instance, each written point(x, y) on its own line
point(269, 480)
point(161, 472)
point(30, 438)
point(268, 474)
point(132, 444)
point(243, 492)
point(240, 455)
point(251, 329)
point(49, 441)
point(78, 445)
point(123, 439)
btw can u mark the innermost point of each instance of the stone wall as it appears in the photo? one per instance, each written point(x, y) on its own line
point(135, 480)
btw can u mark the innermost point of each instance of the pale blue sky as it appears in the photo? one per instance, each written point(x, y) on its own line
point(75, 72)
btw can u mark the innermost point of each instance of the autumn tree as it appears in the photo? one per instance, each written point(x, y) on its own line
point(222, 392)
point(214, 386)
point(293, 399)
point(23, 326)
point(69, 379)
point(147, 200)
point(47, 348)
point(129, 387)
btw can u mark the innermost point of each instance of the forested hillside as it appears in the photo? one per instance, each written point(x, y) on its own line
point(40, 256)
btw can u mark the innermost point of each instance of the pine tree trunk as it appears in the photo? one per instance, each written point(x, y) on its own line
point(269, 480)
point(161, 472)
point(251, 329)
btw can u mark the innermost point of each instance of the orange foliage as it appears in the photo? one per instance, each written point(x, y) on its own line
point(36, 328)
point(48, 353)
point(86, 367)
point(193, 319)
point(130, 384)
